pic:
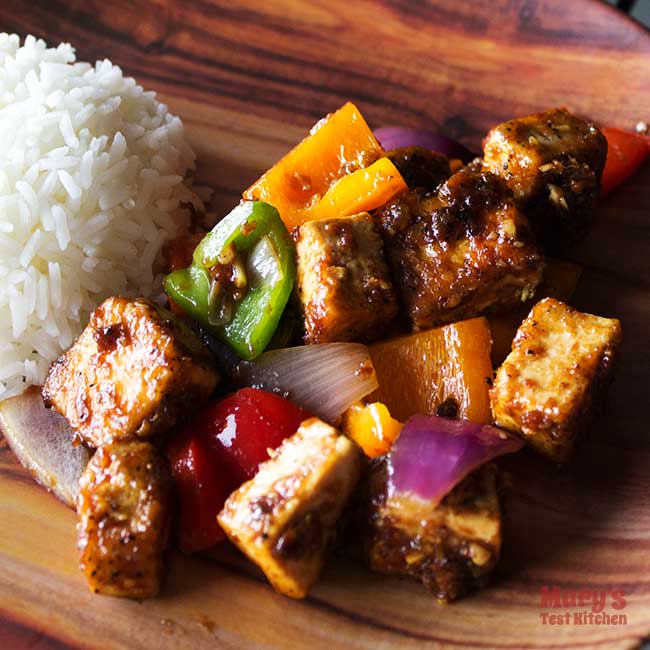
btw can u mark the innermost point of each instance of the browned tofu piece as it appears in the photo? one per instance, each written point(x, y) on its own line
point(131, 373)
point(548, 385)
point(451, 548)
point(284, 518)
point(343, 280)
point(553, 163)
point(420, 167)
point(560, 281)
point(123, 512)
point(461, 252)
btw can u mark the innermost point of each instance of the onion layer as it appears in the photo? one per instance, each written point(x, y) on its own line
point(433, 454)
point(324, 379)
point(43, 442)
point(395, 137)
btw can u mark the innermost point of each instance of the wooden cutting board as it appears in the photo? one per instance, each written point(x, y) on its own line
point(249, 78)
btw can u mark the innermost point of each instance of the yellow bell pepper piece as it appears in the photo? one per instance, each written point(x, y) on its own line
point(361, 191)
point(371, 427)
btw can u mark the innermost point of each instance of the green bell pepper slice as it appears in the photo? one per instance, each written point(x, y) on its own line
point(240, 279)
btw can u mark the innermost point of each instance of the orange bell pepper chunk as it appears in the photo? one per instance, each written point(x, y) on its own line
point(625, 153)
point(419, 372)
point(371, 427)
point(303, 184)
point(560, 281)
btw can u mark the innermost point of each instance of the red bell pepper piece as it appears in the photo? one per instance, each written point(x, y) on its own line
point(625, 153)
point(179, 251)
point(202, 489)
point(178, 255)
point(245, 425)
point(220, 449)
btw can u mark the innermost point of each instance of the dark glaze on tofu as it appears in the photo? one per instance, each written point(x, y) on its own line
point(451, 548)
point(553, 163)
point(460, 252)
point(131, 373)
point(420, 167)
point(343, 283)
point(123, 512)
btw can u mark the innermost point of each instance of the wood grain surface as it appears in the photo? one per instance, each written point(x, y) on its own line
point(248, 78)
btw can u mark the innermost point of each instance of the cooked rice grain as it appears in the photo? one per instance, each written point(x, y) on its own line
point(92, 185)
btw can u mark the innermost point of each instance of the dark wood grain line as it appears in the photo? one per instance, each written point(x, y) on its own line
point(15, 636)
point(340, 94)
point(244, 17)
point(12, 469)
point(372, 623)
point(175, 62)
point(336, 610)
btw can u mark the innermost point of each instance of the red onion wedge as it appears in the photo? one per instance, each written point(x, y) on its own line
point(433, 454)
point(324, 379)
point(43, 442)
point(395, 137)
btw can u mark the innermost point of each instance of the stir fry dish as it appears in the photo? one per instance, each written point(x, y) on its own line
point(352, 348)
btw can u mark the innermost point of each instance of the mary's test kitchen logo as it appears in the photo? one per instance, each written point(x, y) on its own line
point(560, 606)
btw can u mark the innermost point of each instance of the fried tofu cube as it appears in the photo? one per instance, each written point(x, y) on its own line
point(123, 513)
point(451, 548)
point(284, 518)
point(130, 374)
point(548, 385)
point(420, 167)
point(343, 281)
point(553, 163)
point(460, 253)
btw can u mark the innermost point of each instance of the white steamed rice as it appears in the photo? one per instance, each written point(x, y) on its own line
point(91, 184)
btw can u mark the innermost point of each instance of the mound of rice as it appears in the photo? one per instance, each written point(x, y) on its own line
point(91, 187)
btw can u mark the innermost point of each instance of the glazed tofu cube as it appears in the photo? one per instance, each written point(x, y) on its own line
point(130, 374)
point(553, 163)
point(420, 167)
point(123, 513)
point(461, 252)
point(451, 548)
point(283, 519)
point(343, 280)
point(548, 385)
